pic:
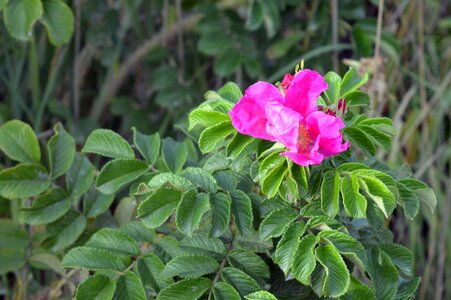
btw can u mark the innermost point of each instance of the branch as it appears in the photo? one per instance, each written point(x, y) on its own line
point(115, 82)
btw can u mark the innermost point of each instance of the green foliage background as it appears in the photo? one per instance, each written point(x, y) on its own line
point(145, 64)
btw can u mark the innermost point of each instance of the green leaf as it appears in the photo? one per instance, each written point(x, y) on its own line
point(190, 211)
point(213, 43)
point(45, 261)
point(61, 150)
point(170, 246)
point(269, 163)
point(333, 81)
point(119, 172)
point(48, 207)
point(252, 242)
point(382, 124)
point(255, 16)
point(423, 192)
point(193, 265)
point(407, 289)
point(351, 166)
point(382, 273)
point(337, 277)
point(242, 282)
point(80, 175)
point(206, 118)
point(130, 287)
point(12, 259)
point(250, 263)
point(304, 261)
point(273, 179)
point(12, 236)
point(286, 247)
point(2, 4)
point(94, 259)
point(409, 201)
point(95, 203)
point(330, 193)
point(17, 139)
point(155, 210)
point(108, 143)
point(170, 180)
point(383, 177)
point(351, 82)
point(66, 230)
point(358, 98)
point(271, 17)
point(360, 139)
point(114, 241)
point(377, 136)
point(358, 290)
point(230, 91)
point(227, 62)
point(221, 206)
point(260, 295)
point(300, 177)
point(59, 21)
point(224, 291)
point(379, 193)
point(400, 257)
point(150, 268)
point(354, 203)
point(188, 289)
point(138, 231)
point(20, 16)
point(23, 181)
point(202, 244)
point(200, 178)
point(147, 145)
point(242, 211)
point(227, 180)
point(346, 245)
point(174, 154)
point(97, 287)
point(275, 223)
point(213, 135)
point(238, 144)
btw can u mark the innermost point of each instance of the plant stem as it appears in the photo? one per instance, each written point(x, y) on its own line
point(379, 29)
point(334, 4)
point(51, 82)
point(114, 82)
point(221, 267)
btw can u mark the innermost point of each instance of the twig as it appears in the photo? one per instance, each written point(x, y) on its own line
point(76, 75)
point(335, 32)
point(379, 29)
point(221, 267)
point(115, 82)
point(62, 282)
point(180, 45)
point(429, 105)
point(427, 164)
point(442, 247)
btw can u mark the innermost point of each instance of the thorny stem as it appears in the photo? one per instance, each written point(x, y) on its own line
point(221, 267)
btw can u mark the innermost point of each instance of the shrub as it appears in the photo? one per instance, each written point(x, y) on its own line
point(237, 220)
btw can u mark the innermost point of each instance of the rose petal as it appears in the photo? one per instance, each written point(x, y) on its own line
point(312, 157)
point(328, 128)
point(248, 115)
point(303, 92)
point(283, 124)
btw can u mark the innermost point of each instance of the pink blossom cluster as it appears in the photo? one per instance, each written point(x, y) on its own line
point(290, 116)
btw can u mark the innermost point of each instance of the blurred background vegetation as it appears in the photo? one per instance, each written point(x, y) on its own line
point(147, 63)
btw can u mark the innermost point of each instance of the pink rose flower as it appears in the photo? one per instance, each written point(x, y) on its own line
point(287, 79)
point(292, 119)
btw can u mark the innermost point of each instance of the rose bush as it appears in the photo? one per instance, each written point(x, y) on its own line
point(285, 200)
